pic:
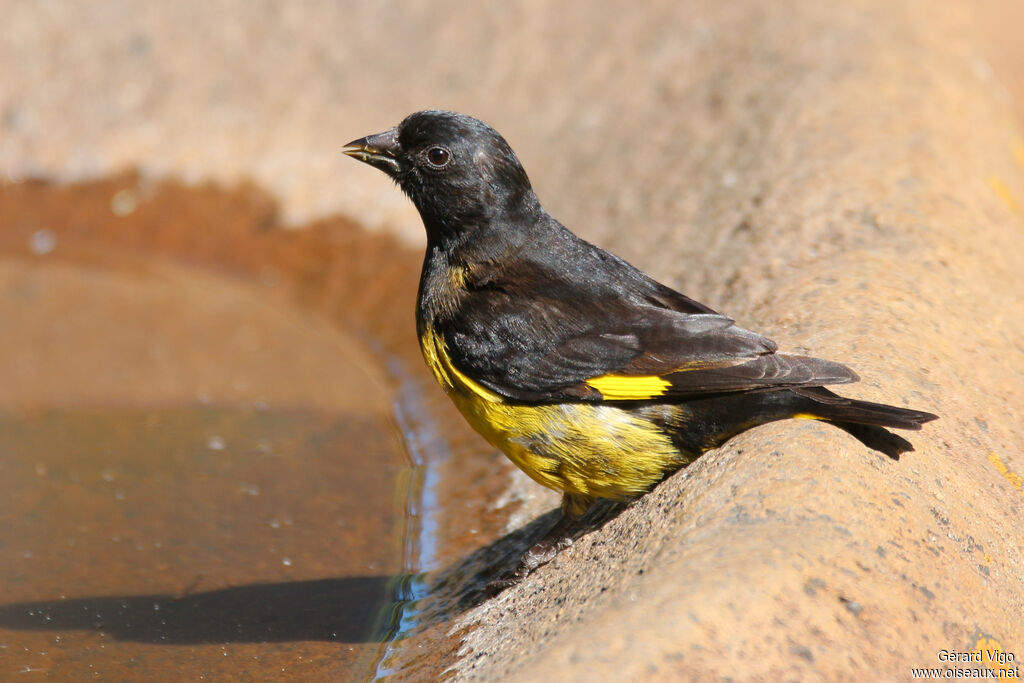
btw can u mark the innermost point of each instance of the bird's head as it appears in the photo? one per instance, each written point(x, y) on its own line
point(458, 171)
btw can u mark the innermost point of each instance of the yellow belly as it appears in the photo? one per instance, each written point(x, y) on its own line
point(584, 449)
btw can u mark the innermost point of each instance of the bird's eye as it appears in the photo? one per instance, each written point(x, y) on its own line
point(438, 157)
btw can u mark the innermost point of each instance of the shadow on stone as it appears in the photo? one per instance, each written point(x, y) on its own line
point(466, 583)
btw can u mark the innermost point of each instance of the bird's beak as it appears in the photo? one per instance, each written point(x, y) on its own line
point(380, 151)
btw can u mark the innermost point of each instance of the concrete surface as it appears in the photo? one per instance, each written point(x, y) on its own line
point(848, 179)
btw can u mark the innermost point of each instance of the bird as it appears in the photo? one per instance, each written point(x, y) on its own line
point(592, 377)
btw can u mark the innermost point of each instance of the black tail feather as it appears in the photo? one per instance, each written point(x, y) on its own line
point(834, 408)
point(864, 420)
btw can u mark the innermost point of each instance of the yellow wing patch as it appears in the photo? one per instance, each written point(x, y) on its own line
point(628, 387)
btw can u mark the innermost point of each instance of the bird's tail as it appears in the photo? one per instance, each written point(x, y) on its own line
point(863, 420)
point(826, 405)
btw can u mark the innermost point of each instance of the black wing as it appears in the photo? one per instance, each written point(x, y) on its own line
point(605, 331)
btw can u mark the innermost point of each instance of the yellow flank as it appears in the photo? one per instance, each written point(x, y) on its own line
point(628, 387)
point(806, 416)
point(580, 448)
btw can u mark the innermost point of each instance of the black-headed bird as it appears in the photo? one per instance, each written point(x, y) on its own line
point(592, 377)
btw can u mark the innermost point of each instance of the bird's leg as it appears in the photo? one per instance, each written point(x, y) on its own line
point(557, 539)
point(543, 551)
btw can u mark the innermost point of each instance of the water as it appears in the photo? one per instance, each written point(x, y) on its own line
point(198, 458)
point(221, 456)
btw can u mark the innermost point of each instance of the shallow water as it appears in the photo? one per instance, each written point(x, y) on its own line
point(192, 540)
point(221, 456)
point(201, 475)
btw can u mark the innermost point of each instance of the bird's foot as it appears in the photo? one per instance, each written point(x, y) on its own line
point(543, 551)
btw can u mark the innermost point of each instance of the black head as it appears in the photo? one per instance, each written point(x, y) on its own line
point(458, 171)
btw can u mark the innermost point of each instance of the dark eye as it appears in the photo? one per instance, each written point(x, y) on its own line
point(438, 157)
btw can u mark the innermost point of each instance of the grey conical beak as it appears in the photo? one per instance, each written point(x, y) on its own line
point(380, 151)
